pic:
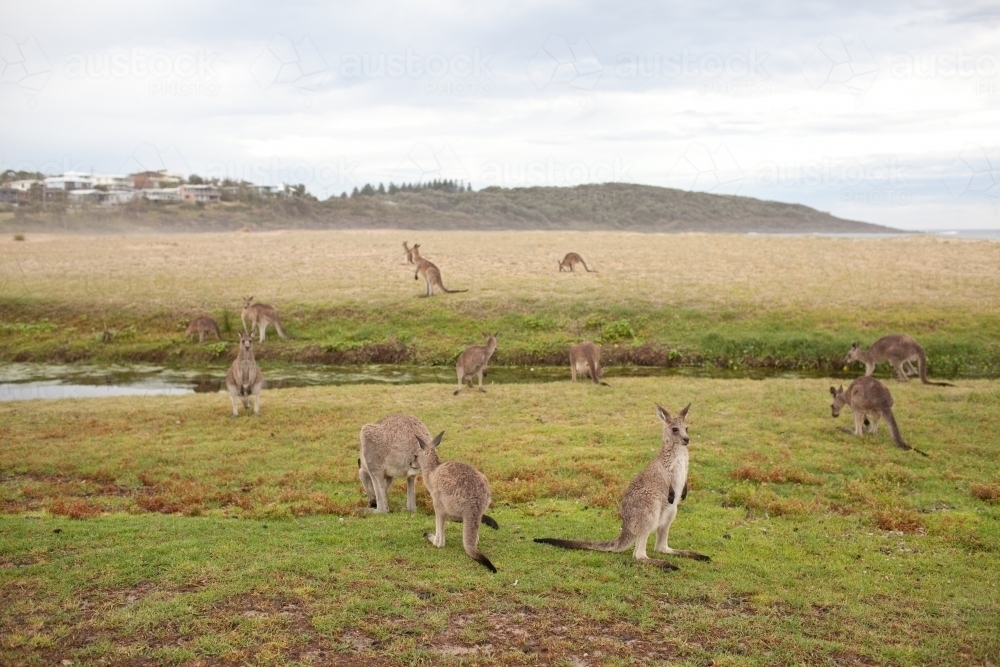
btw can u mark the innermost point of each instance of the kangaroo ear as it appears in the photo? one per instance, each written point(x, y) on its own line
point(684, 412)
point(423, 445)
point(833, 392)
point(854, 345)
point(496, 334)
point(661, 413)
point(437, 440)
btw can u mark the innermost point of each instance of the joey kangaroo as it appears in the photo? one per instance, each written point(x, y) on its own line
point(570, 259)
point(866, 397)
point(585, 358)
point(244, 378)
point(460, 493)
point(651, 500)
point(473, 362)
point(388, 448)
point(410, 252)
point(900, 351)
point(202, 326)
point(260, 315)
point(432, 277)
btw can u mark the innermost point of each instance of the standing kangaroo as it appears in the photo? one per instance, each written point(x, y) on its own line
point(432, 276)
point(460, 493)
point(409, 252)
point(570, 259)
point(244, 378)
point(260, 315)
point(202, 326)
point(651, 500)
point(585, 358)
point(899, 350)
point(473, 361)
point(866, 396)
point(388, 448)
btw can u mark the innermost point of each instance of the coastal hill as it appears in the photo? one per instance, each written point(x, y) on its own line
point(613, 206)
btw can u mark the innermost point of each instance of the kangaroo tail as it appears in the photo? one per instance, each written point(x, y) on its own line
point(589, 270)
point(623, 542)
point(277, 327)
point(470, 541)
point(922, 365)
point(896, 435)
point(491, 522)
point(451, 291)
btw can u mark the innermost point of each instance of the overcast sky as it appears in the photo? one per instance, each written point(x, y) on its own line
point(882, 112)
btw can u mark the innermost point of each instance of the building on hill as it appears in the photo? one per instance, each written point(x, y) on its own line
point(10, 195)
point(71, 180)
point(154, 179)
point(199, 194)
point(160, 194)
point(23, 185)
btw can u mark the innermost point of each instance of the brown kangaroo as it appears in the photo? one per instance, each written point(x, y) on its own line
point(409, 252)
point(460, 493)
point(867, 397)
point(570, 259)
point(585, 358)
point(202, 326)
point(900, 351)
point(244, 378)
point(260, 315)
point(473, 361)
point(432, 277)
point(651, 500)
point(388, 448)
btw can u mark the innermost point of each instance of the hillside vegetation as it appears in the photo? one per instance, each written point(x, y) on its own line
point(613, 206)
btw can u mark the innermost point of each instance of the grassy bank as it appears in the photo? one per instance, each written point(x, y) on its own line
point(159, 529)
point(348, 297)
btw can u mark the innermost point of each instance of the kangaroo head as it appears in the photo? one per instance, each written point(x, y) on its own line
point(674, 428)
point(246, 341)
point(427, 451)
point(246, 301)
point(839, 400)
point(853, 353)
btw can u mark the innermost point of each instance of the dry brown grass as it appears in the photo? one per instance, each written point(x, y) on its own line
point(777, 475)
point(987, 492)
point(316, 267)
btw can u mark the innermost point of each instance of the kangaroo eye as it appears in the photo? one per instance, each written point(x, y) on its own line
point(675, 430)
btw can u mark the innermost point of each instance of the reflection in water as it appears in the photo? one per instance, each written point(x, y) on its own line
point(19, 382)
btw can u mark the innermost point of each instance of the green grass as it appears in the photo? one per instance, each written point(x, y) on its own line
point(203, 539)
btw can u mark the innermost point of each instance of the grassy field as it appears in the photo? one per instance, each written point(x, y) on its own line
point(348, 297)
point(160, 531)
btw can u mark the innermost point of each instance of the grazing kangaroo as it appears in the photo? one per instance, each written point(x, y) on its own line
point(473, 362)
point(460, 493)
point(388, 448)
point(244, 378)
point(570, 259)
point(432, 276)
point(410, 252)
point(651, 500)
point(866, 397)
point(202, 326)
point(260, 315)
point(585, 358)
point(899, 350)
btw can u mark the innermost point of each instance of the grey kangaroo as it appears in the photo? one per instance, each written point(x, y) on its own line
point(244, 378)
point(570, 259)
point(867, 397)
point(651, 500)
point(432, 277)
point(260, 315)
point(585, 358)
point(473, 362)
point(460, 493)
point(388, 448)
point(409, 252)
point(900, 351)
point(201, 326)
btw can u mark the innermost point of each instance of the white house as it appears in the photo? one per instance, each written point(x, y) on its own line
point(22, 185)
point(160, 194)
point(199, 193)
point(71, 180)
